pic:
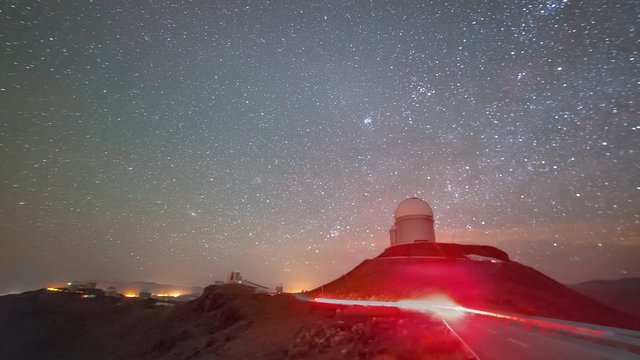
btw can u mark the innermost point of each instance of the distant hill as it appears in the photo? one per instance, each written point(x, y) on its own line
point(420, 270)
point(137, 286)
point(622, 294)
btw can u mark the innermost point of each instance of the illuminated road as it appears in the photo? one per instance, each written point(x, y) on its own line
point(489, 335)
point(493, 338)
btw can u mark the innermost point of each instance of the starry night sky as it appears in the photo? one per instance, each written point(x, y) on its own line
point(177, 141)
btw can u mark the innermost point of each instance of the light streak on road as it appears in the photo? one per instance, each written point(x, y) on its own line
point(440, 306)
point(491, 335)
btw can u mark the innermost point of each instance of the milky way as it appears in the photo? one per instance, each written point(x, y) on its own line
point(176, 142)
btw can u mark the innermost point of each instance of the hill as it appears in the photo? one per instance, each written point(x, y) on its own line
point(226, 322)
point(155, 288)
point(492, 282)
point(622, 294)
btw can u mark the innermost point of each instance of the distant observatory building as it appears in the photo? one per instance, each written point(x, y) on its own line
point(413, 223)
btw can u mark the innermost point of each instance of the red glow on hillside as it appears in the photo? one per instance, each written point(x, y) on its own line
point(391, 279)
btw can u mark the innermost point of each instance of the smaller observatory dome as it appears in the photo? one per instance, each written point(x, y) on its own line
point(413, 206)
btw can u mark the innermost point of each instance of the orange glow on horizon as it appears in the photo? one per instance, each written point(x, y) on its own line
point(300, 286)
point(57, 285)
point(297, 290)
point(176, 294)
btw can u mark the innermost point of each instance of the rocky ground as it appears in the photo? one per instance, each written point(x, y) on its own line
point(227, 322)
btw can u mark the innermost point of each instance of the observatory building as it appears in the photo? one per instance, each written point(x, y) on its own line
point(413, 223)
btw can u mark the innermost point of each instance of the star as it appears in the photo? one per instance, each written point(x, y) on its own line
point(191, 133)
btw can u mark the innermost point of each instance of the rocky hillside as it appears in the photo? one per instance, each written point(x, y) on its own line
point(497, 285)
point(226, 322)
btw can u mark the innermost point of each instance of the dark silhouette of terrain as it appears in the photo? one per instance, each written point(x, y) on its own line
point(233, 322)
point(226, 322)
point(622, 294)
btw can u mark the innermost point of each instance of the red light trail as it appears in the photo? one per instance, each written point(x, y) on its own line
point(446, 309)
point(492, 335)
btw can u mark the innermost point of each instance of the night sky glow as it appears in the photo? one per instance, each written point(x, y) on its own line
point(177, 141)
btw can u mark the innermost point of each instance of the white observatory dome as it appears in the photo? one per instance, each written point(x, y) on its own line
point(413, 206)
point(413, 222)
